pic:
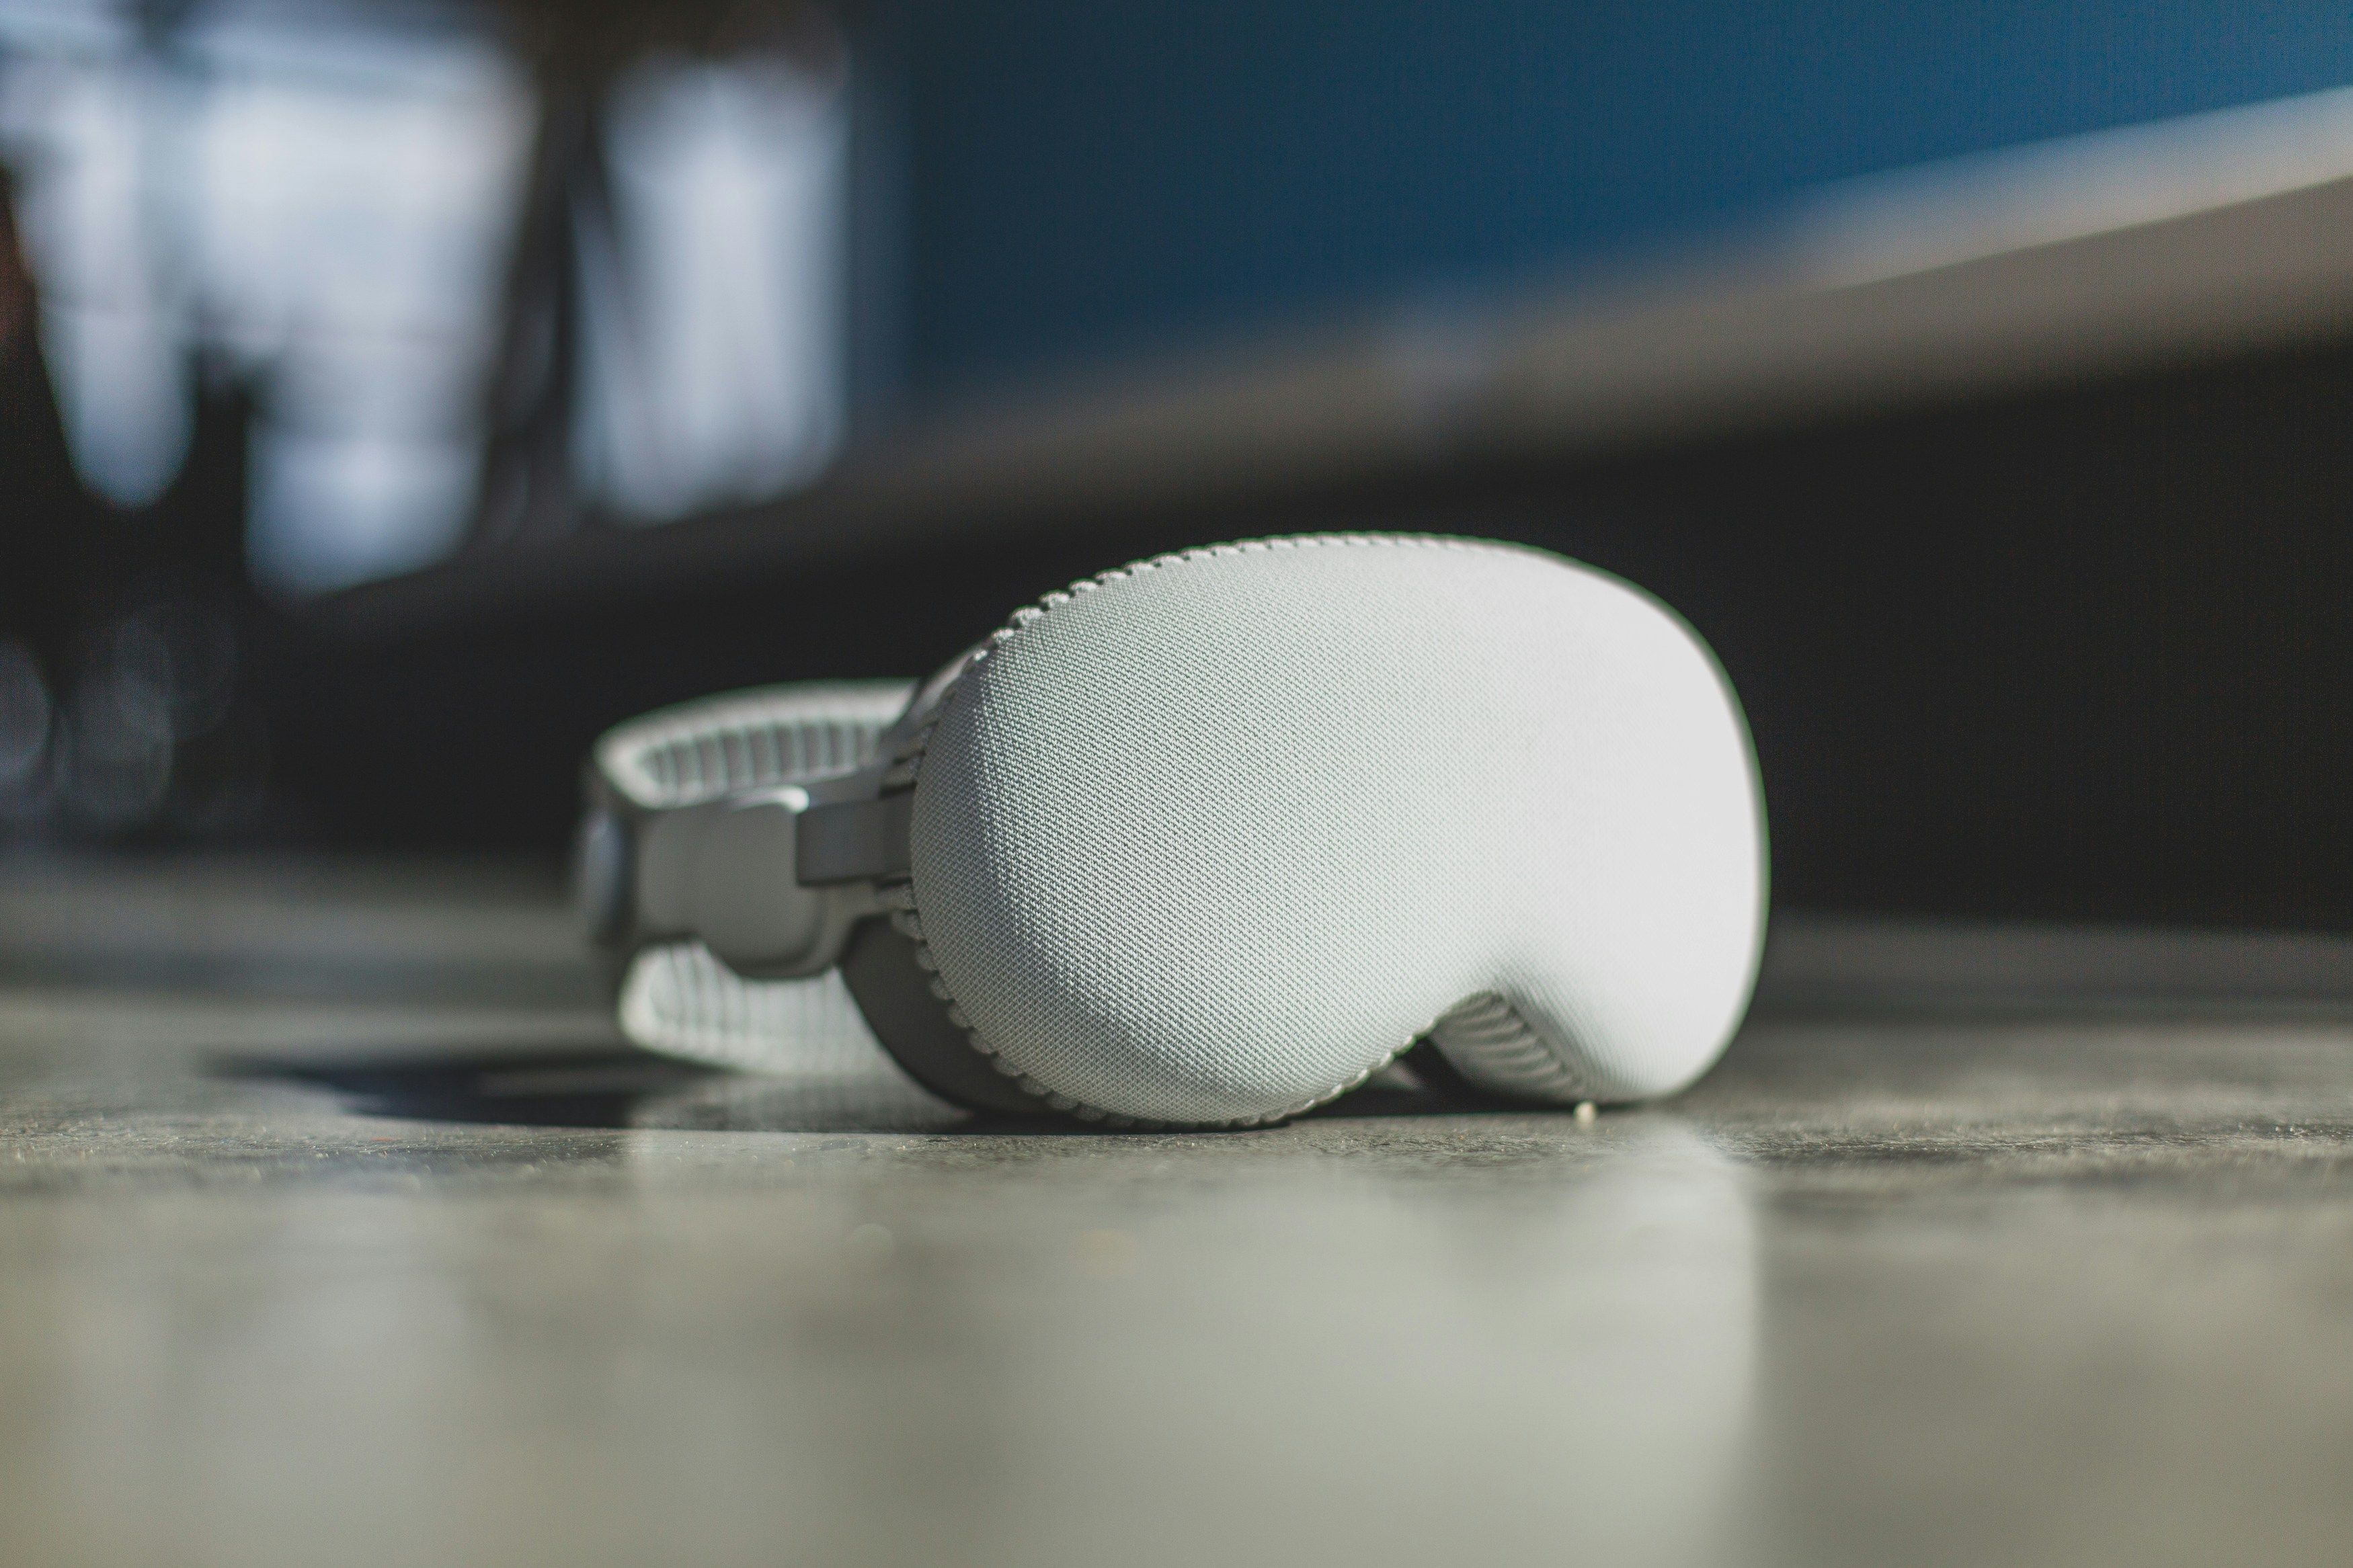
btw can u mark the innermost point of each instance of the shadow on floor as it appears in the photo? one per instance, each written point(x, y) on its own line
point(607, 1086)
point(617, 1087)
point(594, 1087)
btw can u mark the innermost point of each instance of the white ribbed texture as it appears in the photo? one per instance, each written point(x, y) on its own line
point(676, 998)
point(1209, 839)
point(681, 1001)
point(1496, 1049)
point(749, 739)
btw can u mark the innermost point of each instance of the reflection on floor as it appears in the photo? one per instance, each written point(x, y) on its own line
point(336, 1223)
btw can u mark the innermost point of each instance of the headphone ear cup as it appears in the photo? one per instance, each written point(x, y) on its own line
point(895, 994)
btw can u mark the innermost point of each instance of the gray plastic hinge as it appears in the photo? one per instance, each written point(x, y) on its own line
point(854, 840)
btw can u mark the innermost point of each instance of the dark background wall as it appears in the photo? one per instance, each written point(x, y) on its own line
point(2072, 651)
point(2076, 651)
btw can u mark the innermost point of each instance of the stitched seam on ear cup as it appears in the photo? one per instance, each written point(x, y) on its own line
point(900, 898)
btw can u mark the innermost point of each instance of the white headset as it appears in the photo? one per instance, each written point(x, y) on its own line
point(1207, 840)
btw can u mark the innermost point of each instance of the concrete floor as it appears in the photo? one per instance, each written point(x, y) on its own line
point(335, 1225)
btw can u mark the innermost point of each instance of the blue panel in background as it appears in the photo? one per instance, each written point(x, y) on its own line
point(1090, 178)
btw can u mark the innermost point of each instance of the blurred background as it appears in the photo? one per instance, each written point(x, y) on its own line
point(393, 395)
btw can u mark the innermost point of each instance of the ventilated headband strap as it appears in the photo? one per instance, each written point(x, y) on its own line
point(702, 752)
point(674, 996)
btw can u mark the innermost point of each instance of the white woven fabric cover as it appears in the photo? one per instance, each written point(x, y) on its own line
point(1209, 839)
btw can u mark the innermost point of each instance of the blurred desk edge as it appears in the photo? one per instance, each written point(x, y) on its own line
point(2114, 253)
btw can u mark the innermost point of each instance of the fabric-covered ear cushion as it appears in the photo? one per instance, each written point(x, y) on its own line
point(1207, 840)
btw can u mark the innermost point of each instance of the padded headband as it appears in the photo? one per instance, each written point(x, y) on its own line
point(673, 995)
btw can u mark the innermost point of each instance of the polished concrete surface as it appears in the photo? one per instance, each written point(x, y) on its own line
point(336, 1226)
